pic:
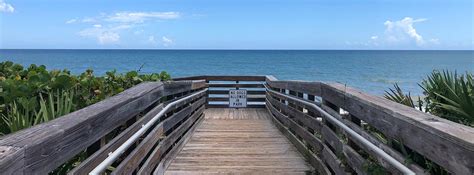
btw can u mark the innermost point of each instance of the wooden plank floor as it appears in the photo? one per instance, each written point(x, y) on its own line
point(236, 141)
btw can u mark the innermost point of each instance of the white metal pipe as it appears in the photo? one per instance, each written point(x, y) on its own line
point(392, 161)
point(120, 150)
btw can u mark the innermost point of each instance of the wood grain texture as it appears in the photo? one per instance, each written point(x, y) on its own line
point(355, 160)
point(238, 141)
point(298, 130)
point(175, 87)
point(312, 158)
point(241, 140)
point(449, 144)
point(11, 164)
point(169, 141)
point(313, 88)
point(95, 159)
point(296, 103)
point(168, 158)
point(333, 161)
point(50, 144)
point(42, 148)
point(309, 121)
point(387, 149)
point(131, 162)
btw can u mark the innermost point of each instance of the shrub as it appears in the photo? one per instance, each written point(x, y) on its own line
point(35, 95)
point(451, 96)
point(447, 95)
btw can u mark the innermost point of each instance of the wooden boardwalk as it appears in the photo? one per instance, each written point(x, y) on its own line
point(150, 128)
point(239, 141)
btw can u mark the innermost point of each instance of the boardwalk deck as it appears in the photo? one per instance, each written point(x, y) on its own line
point(238, 141)
point(242, 141)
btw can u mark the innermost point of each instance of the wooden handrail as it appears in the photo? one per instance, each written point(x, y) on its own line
point(327, 147)
point(448, 144)
point(113, 156)
point(351, 133)
point(219, 86)
point(42, 148)
point(225, 78)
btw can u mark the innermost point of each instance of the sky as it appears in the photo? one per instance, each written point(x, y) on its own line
point(237, 24)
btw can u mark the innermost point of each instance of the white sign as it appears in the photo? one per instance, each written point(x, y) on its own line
point(237, 98)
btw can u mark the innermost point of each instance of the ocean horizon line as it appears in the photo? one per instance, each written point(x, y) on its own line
point(171, 49)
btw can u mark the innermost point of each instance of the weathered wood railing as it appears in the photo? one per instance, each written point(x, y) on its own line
point(218, 95)
point(403, 133)
point(88, 135)
point(422, 142)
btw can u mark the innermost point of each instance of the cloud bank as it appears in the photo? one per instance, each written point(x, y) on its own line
point(104, 35)
point(140, 17)
point(107, 28)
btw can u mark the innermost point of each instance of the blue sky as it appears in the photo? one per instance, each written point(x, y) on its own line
point(237, 24)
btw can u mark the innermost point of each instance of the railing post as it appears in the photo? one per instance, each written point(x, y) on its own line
point(207, 93)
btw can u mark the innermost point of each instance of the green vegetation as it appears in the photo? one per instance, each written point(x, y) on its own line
point(373, 167)
point(29, 96)
point(447, 95)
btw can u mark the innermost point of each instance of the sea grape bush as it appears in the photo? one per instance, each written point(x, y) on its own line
point(33, 95)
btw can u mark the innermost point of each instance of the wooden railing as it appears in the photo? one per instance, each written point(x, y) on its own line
point(219, 86)
point(424, 143)
point(308, 113)
point(88, 135)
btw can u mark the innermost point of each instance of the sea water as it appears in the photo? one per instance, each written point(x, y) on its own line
point(370, 71)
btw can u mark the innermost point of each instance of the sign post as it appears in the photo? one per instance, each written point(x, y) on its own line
point(237, 98)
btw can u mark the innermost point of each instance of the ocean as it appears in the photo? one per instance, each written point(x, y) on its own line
point(371, 71)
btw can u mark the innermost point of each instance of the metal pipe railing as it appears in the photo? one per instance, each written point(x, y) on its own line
point(120, 150)
point(392, 161)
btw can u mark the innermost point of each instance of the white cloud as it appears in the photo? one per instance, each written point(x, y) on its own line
point(104, 35)
point(107, 28)
point(138, 32)
point(140, 17)
point(403, 31)
point(71, 21)
point(130, 17)
point(397, 34)
point(152, 40)
point(108, 37)
point(374, 40)
point(5, 7)
point(434, 41)
point(166, 41)
point(122, 27)
point(88, 20)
